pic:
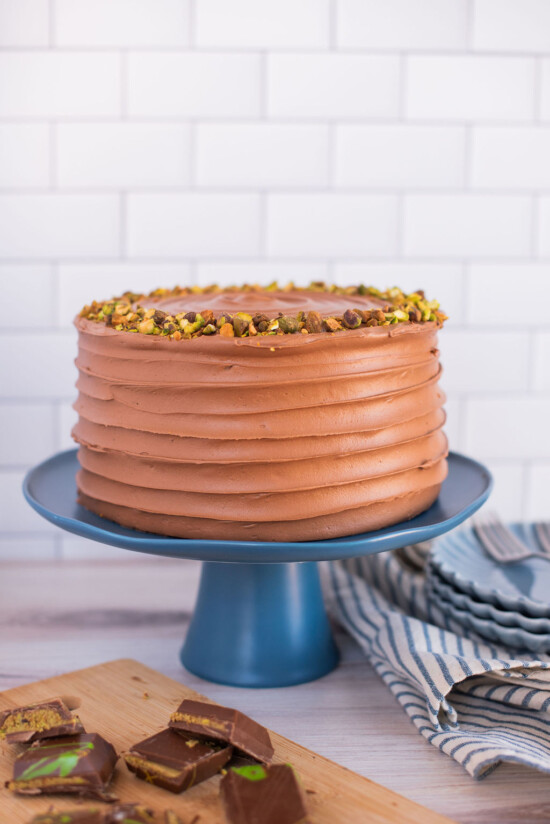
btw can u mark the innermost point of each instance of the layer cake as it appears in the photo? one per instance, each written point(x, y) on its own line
point(260, 414)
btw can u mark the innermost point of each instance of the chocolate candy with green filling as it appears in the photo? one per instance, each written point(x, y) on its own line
point(263, 795)
point(93, 815)
point(176, 761)
point(223, 724)
point(49, 719)
point(129, 814)
point(80, 764)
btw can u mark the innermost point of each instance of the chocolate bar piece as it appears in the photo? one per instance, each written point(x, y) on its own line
point(36, 721)
point(223, 724)
point(176, 761)
point(263, 795)
point(89, 816)
point(119, 814)
point(82, 764)
point(129, 814)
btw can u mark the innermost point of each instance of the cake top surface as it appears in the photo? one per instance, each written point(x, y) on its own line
point(182, 313)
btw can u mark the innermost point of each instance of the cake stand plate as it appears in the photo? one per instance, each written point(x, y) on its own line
point(259, 620)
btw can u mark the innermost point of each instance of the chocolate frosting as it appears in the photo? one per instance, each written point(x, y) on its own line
point(278, 437)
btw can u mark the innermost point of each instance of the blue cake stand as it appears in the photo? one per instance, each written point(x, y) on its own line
point(259, 620)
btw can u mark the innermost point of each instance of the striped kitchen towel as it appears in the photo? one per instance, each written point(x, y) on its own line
point(479, 703)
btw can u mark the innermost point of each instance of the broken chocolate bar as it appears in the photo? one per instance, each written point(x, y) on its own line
point(263, 795)
point(176, 761)
point(89, 816)
point(223, 724)
point(129, 814)
point(36, 721)
point(82, 764)
point(119, 814)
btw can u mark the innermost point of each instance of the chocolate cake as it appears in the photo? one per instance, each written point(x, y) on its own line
point(260, 414)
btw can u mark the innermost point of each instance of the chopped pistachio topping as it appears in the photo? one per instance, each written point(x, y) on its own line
point(125, 314)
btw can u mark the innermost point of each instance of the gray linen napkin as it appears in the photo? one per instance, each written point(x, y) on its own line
point(478, 702)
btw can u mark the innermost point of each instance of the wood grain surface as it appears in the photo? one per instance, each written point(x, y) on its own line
point(61, 616)
point(125, 702)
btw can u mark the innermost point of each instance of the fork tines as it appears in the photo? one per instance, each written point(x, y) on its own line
point(499, 541)
point(542, 534)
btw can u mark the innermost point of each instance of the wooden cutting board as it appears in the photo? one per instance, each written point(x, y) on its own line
point(126, 701)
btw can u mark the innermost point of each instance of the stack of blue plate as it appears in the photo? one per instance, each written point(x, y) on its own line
point(505, 603)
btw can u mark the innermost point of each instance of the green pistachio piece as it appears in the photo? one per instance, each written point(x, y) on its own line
point(351, 319)
point(332, 325)
point(240, 325)
point(244, 316)
point(314, 322)
point(400, 314)
point(227, 330)
point(193, 327)
point(288, 324)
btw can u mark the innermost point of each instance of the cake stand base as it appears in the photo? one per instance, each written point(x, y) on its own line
point(259, 625)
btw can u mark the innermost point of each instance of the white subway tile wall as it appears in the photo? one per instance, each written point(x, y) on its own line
point(156, 142)
point(125, 155)
point(121, 23)
point(24, 23)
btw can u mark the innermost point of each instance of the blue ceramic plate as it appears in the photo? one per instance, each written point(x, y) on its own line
point(50, 489)
point(484, 610)
point(460, 560)
point(512, 637)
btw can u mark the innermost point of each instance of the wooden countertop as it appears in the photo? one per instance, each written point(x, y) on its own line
point(56, 617)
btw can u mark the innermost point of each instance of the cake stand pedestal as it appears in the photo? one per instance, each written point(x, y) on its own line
point(259, 620)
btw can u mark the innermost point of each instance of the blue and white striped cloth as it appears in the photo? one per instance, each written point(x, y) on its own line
point(479, 703)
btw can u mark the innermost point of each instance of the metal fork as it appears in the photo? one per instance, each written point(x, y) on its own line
point(542, 534)
point(500, 543)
